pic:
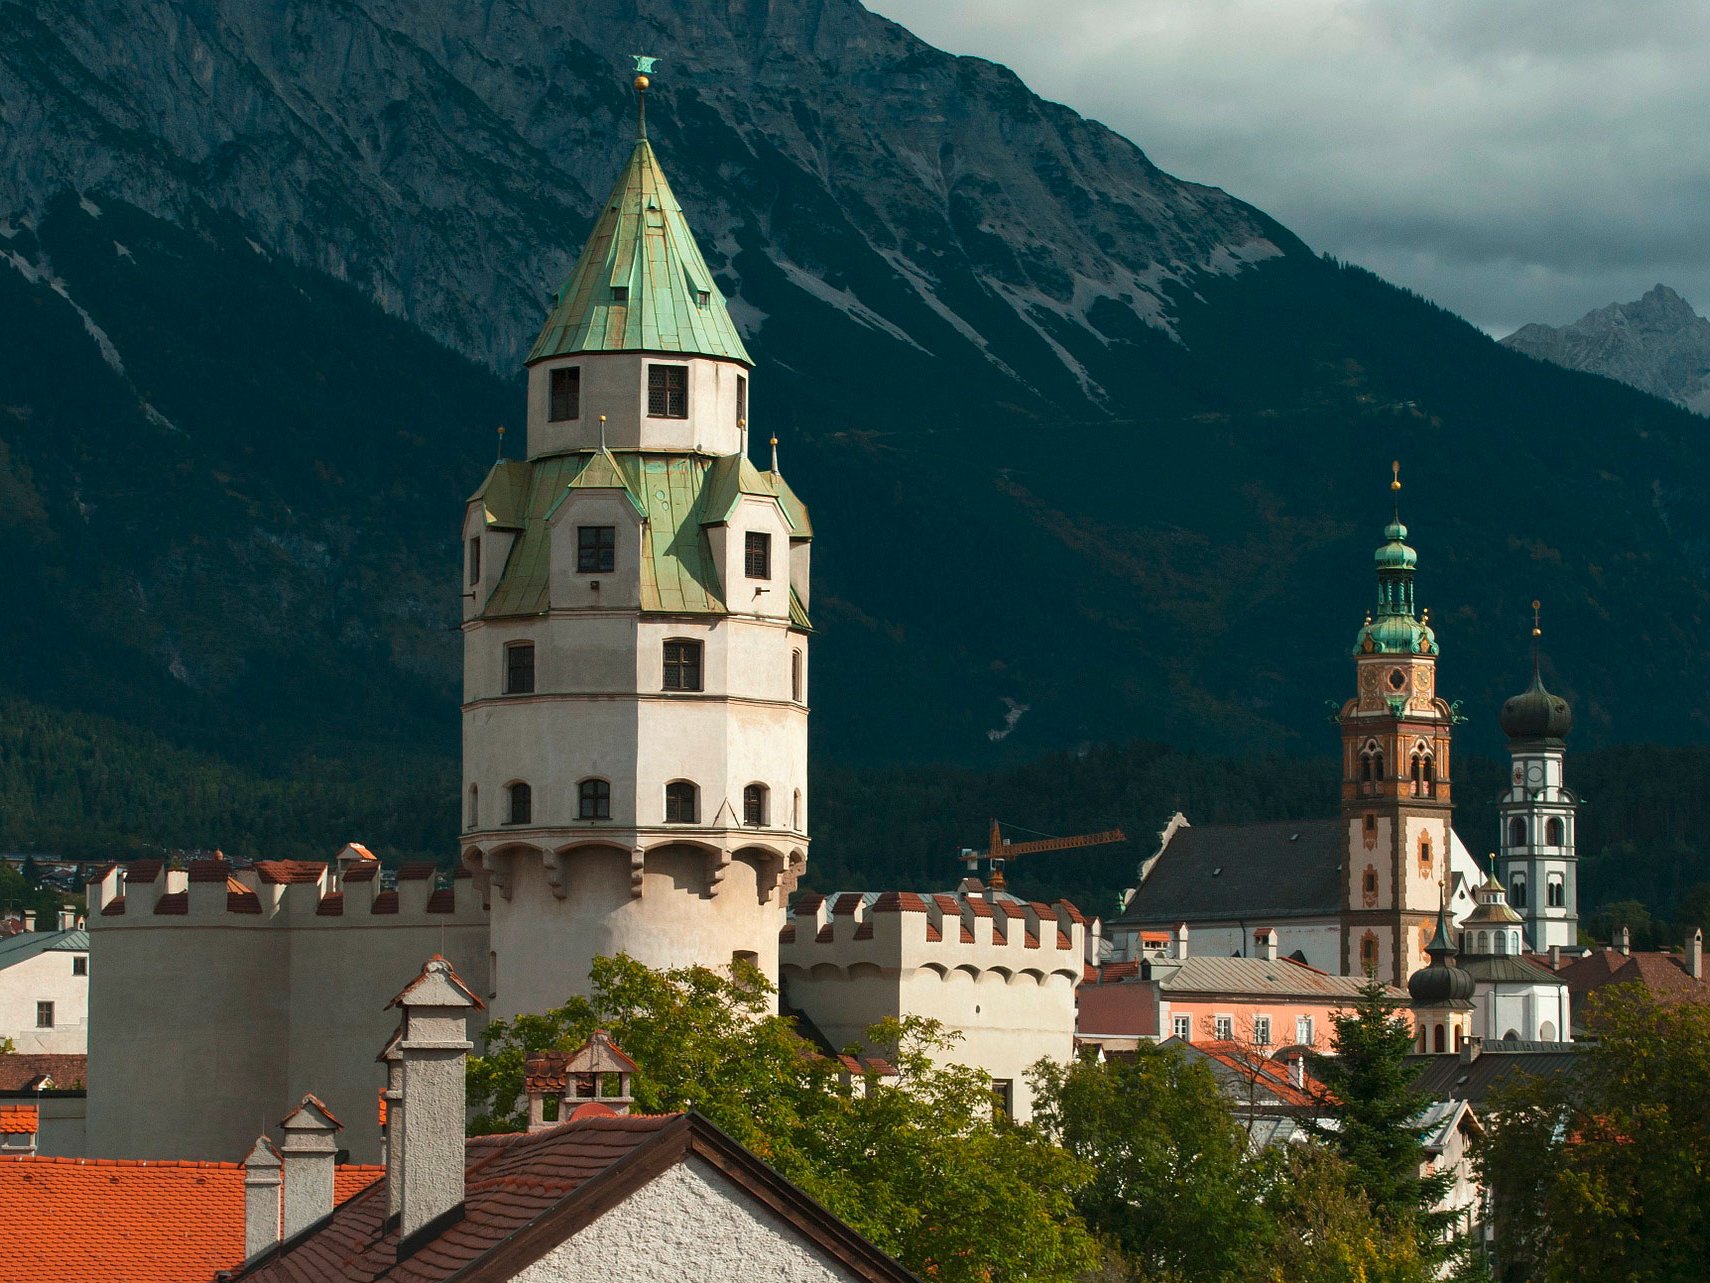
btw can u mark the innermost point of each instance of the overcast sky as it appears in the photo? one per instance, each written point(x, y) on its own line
point(1514, 160)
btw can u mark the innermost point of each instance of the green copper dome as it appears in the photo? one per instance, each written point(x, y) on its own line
point(641, 284)
point(1392, 628)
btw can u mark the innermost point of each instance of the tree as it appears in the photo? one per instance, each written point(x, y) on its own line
point(1174, 1189)
point(918, 1161)
point(1604, 1172)
point(1327, 1233)
point(1372, 1112)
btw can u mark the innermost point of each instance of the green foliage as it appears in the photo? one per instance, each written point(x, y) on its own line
point(27, 896)
point(1371, 1111)
point(1326, 1231)
point(1173, 1188)
point(1604, 1173)
point(918, 1163)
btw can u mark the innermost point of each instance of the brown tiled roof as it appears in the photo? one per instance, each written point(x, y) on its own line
point(527, 1194)
point(242, 901)
point(846, 903)
point(142, 870)
point(113, 907)
point(331, 905)
point(19, 1071)
point(1664, 974)
point(364, 872)
point(899, 902)
point(808, 904)
point(176, 902)
point(415, 870)
point(290, 871)
point(91, 1220)
point(443, 900)
point(209, 870)
point(385, 902)
point(1273, 1075)
point(787, 933)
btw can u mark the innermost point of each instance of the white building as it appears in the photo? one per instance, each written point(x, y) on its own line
point(1514, 999)
point(44, 989)
point(635, 624)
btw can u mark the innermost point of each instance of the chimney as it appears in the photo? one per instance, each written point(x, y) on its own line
point(1624, 941)
point(392, 1151)
point(29, 919)
point(1266, 938)
point(261, 1181)
point(428, 1145)
point(68, 919)
point(1695, 954)
point(1470, 1050)
point(1555, 957)
point(1181, 940)
point(309, 1151)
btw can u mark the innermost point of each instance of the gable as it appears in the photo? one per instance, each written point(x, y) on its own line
point(688, 1222)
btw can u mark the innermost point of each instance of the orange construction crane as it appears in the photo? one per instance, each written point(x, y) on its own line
point(1000, 850)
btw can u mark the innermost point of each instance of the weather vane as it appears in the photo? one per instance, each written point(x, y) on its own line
point(1395, 474)
point(1536, 631)
point(643, 70)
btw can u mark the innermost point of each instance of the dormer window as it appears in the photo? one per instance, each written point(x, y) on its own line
point(596, 550)
point(668, 391)
point(475, 561)
point(703, 297)
point(757, 555)
point(620, 293)
point(566, 398)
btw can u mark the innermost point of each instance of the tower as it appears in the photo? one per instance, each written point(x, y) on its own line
point(1395, 777)
point(1442, 993)
point(635, 631)
point(1536, 860)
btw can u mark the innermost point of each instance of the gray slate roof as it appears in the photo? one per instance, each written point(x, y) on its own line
point(1258, 978)
point(1448, 1077)
point(27, 944)
point(1507, 969)
point(1257, 873)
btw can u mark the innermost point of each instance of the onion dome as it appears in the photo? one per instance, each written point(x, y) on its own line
point(1492, 908)
point(1394, 628)
point(1536, 713)
point(1442, 981)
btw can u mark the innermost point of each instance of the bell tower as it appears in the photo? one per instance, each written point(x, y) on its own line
point(635, 623)
point(1395, 777)
point(1537, 861)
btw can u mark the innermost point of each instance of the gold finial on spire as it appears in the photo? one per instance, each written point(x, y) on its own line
point(643, 78)
point(1395, 474)
point(501, 441)
point(774, 454)
point(602, 432)
point(1536, 630)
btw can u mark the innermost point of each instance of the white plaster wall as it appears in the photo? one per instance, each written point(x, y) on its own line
point(1523, 1008)
point(47, 977)
point(688, 1223)
point(615, 384)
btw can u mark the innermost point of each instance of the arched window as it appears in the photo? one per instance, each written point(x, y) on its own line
point(594, 800)
point(1368, 952)
point(682, 802)
point(754, 805)
point(1557, 892)
point(1424, 781)
point(1517, 831)
point(521, 799)
point(1439, 1041)
point(1501, 942)
point(796, 676)
point(1553, 832)
point(1369, 886)
point(1422, 1044)
point(474, 805)
point(1517, 891)
point(1484, 942)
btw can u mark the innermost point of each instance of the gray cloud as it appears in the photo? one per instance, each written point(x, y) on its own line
point(1515, 160)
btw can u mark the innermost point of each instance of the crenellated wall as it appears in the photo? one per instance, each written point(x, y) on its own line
point(218, 997)
point(999, 973)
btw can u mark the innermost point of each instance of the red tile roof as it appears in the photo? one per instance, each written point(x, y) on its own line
point(85, 1220)
point(416, 870)
point(17, 1120)
point(525, 1194)
point(288, 871)
point(177, 902)
point(209, 871)
point(364, 872)
point(19, 1071)
point(142, 871)
point(899, 902)
point(1664, 974)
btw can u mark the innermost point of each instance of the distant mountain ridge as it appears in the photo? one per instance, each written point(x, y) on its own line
point(1657, 344)
point(1093, 454)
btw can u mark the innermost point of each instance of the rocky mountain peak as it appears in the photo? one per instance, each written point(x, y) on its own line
point(1656, 343)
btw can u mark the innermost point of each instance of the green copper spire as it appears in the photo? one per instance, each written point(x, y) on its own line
point(1395, 630)
point(641, 284)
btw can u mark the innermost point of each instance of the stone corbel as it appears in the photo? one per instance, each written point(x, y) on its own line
point(717, 863)
point(498, 872)
point(771, 874)
point(552, 864)
point(793, 874)
point(637, 868)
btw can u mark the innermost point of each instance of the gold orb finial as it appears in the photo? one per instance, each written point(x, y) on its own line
point(641, 84)
point(1536, 630)
point(1395, 474)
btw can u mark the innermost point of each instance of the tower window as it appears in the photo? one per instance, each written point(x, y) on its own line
point(519, 668)
point(596, 550)
point(1368, 952)
point(620, 293)
point(1424, 852)
point(594, 800)
point(474, 805)
point(754, 799)
point(796, 812)
point(1517, 831)
point(566, 398)
point(1554, 832)
point(796, 676)
point(668, 391)
point(1439, 1042)
point(757, 554)
point(1368, 885)
point(522, 804)
point(682, 665)
point(1556, 892)
point(475, 561)
point(1517, 892)
point(1370, 823)
point(682, 802)
point(741, 400)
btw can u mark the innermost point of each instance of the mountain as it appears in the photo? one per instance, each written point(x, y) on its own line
point(1094, 454)
point(1657, 344)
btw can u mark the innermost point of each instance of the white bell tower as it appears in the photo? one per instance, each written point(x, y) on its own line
point(1536, 856)
point(635, 632)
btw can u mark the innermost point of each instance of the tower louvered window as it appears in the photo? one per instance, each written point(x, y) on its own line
point(668, 391)
point(754, 806)
point(682, 666)
point(566, 394)
point(681, 802)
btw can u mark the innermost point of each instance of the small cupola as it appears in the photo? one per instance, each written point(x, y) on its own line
point(595, 1078)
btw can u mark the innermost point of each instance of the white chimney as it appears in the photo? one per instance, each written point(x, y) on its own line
point(68, 919)
point(1695, 954)
point(261, 1182)
point(29, 919)
point(1624, 940)
point(1267, 941)
point(1181, 940)
point(310, 1151)
point(429, 1141)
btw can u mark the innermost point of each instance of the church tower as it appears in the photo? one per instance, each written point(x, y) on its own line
point(1395, 778)
point(1536, 859)
point(635, 631)
point(1442, 994)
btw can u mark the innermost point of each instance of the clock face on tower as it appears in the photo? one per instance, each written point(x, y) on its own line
point(1535, 775)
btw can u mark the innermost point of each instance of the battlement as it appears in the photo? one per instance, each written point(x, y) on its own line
point(281, 893)
point(900, 930)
